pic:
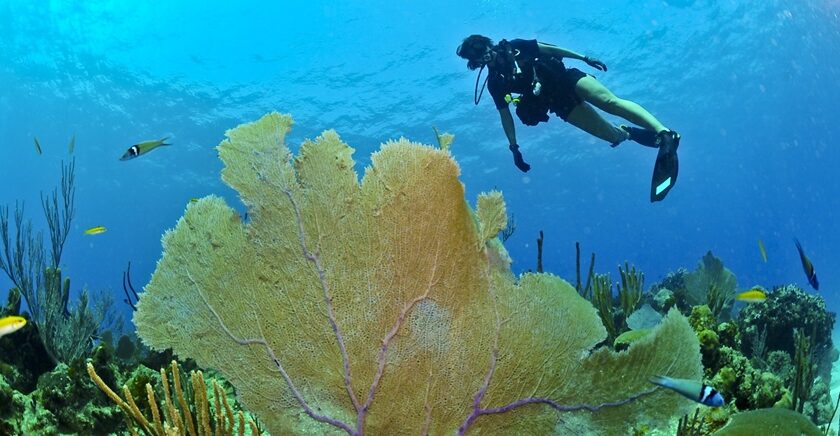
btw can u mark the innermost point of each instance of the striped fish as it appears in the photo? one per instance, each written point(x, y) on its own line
point(691, 389)
point(143, 148)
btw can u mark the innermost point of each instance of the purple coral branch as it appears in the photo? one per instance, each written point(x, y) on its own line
point(565, 408)
point(261, 341)
point(555, 405)
point(316, 260)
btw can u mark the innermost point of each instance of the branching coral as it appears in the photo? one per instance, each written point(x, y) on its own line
point(386, 306)
point(630, 291)
point(803, 379)
point(602, 299)
point(182, 414)
point(65, 331)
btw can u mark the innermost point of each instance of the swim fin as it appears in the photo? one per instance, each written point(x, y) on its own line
point(667, 165)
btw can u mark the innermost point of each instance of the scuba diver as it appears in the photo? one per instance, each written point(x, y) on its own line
point(532, 75)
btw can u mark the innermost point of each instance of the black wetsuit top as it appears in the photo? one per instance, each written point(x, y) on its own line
point(558, 83)
point(500, 83)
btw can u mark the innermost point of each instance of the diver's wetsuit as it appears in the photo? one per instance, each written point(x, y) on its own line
point(558, 84)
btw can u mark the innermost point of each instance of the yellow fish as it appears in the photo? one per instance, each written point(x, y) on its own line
point(143, 148)
point(754, 295)
point(96, 230)
point(194, 200)
point(37, 146)
point(762, 250)
point(11, 324)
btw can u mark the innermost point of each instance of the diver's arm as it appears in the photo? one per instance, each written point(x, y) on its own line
point(507, 124)
point(553, 50)
point(510, 132)
point(558, 52)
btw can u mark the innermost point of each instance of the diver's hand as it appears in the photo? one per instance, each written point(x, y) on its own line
point(595, 63)
point(517, 159)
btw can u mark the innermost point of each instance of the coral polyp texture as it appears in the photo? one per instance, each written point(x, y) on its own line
point(387, 306)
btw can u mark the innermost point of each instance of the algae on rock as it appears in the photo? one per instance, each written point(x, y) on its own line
point(387, 306)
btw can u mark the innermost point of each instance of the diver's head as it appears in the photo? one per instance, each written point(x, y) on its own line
point(477, 50)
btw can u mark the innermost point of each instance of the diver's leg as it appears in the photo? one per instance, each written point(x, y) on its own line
point(591, 90)
point(584, 117)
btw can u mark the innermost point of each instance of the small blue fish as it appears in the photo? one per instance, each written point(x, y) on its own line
point(807, 266)
point(693, 390)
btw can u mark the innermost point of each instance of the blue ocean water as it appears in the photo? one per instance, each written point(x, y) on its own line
point(751, 86)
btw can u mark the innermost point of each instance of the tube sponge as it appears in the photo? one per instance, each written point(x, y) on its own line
point(385, 305)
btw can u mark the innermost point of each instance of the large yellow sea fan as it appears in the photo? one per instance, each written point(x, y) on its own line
point(350, 307)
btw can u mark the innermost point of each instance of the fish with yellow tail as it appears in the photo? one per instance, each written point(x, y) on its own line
point(11, 324)
point(142, 148)
point(754, 295)
point(691, 389)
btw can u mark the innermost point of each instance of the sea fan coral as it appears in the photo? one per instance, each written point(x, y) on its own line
point(388, 306)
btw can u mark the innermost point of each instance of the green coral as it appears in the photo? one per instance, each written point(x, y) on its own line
point(781, 364)
point(709, 284)
point(380, 306)
point(663, 300)
point(747, 387)
point(62, 400)
point(772, 421)
point(703, 321)
point(702, 318)
point(729, 334)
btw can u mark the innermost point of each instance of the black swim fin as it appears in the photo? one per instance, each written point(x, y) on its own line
point(667, 165)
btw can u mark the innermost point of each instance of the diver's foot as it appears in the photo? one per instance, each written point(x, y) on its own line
point(625, 136)
point(645, 137)
point(667, 141)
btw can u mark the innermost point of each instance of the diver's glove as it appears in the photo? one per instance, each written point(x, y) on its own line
point(595, 63)
point(517, 159)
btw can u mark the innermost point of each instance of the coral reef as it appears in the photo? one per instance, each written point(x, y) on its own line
point(60, 404)
point(386, 306)
point(789, 308)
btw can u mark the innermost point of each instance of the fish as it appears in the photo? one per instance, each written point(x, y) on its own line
point(810, 272)
point(72, 145)
point(11, 324)
point(691, 389)
point(37, 146)
point(96, 230)
point(754, 295)
point(762, 250)
point(194, 200)
point(143, 148)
